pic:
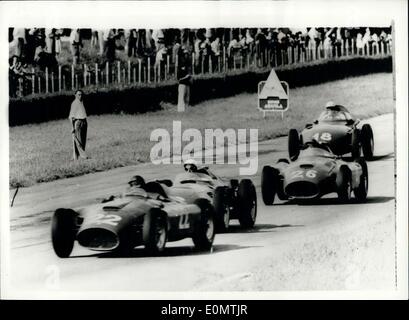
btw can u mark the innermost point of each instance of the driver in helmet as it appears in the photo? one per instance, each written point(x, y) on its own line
point(190, 165)
point(135, 184)
point(332, 114)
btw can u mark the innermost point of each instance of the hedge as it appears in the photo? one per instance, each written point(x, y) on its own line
point(148, 97)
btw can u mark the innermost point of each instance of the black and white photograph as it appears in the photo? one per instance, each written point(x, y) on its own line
point(209, 149)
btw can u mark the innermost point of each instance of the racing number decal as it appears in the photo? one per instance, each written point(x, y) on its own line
point(184, 222)
point(111, 219)
point(300, 174)
point(325, 136)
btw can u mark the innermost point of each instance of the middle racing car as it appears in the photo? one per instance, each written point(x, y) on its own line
point(231, 200)
point(314, 173)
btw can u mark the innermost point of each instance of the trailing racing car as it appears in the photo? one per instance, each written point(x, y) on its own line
point(143, 215)
point(316, 172)
point(336, 127)
point(231, 200)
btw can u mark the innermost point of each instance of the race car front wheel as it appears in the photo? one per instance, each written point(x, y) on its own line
point(293, 144)
point(367, 141)
point(247, 203)
point(221, 208)
point(63, 231)
point(268, 185)
point(344, 187)
point(155, 231)
point(204, 230)
point(361, 191)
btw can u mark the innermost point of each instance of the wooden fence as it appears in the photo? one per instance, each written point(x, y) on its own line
point(147, 71)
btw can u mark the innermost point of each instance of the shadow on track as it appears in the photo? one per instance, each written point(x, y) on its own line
point(334, 201)
point(258, 228)
point(139, 252)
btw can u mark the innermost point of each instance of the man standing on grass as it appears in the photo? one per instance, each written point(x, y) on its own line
point(78, 120)
point(185, 80)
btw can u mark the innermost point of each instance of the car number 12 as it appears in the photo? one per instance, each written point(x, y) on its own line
point(300, 174)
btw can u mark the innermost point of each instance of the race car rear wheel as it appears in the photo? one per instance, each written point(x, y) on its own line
point(355, 145)
point(221, 208)
point(204, 229)
point(268, 185)
point(367, 141)
point(361, 191)
point(293, 144)
point(154, 231)
point(344, 186)
point(247, 203)
point(63, 231)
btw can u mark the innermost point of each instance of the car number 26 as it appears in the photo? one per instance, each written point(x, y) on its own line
point(301, 173)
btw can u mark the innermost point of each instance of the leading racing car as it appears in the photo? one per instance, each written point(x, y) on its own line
point(143, 215)
point(230, 200)
point(316, 172)
point(337, 128)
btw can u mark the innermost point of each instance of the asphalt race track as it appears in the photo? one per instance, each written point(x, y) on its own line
point(318, 246)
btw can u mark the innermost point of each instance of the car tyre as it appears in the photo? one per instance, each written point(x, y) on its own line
point(355, 145)
point(268, 185)
point(344, 185)
point(247, 203)
point(204, 229)
point(294, 142)
point(221, 209)
point(367, 141)
point(63, 231)
point(154, 232)
point(361, 191)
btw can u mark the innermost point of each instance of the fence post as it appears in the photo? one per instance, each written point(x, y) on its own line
point(347, 48)
point(167, 66)
point(224, 59)
point(96, 74)
point(72, 77)
point(176, 65)
point(63, 82)
point(39, 84)
point(129, 71)
point(107, 73)
point(149, 69)
point(46, 79)
point(145, 74)
point(139, 70)
point(59, 78)
point(85, 74)
point(134, 75)
point(193, 63)
point(76, 81)
point(119, 71)
point(52, 81)
point(32, 81)
point(382, 47)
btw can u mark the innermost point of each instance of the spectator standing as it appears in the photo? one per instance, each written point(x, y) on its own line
point(184, 78)
point(76, 44)
point(19, 35)
point(78, 121)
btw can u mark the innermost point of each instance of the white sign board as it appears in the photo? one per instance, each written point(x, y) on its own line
point(273, 94)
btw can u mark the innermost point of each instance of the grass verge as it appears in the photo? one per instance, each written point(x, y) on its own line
point(43, 152)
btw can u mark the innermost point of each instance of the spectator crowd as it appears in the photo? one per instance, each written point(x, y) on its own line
point(32, 50)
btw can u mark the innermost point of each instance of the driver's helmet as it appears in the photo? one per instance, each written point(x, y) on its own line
point(190, 165)
point(330, 104)
point(137, 181)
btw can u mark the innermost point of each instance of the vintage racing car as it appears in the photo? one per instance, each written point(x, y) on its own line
point(316, 172)
point(231, 200)
point(143, 215)
point(336, 127)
